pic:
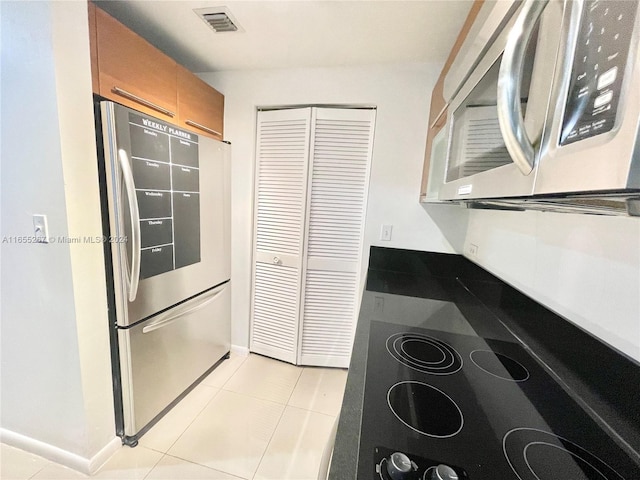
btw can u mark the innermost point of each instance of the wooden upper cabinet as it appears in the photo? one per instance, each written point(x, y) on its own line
point(93, 48)
point(200, 107)
point(438, 112)
point(133, 72)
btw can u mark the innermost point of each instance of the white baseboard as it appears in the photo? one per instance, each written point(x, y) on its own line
point(105, 453)
point(240, 351)
point(88, 466)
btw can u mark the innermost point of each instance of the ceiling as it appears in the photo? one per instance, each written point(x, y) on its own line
point(302, 33)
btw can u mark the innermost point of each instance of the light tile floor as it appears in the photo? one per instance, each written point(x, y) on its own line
point(252, 418)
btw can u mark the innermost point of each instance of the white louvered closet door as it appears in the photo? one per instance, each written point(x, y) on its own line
point(341, 150)
point(282, 151)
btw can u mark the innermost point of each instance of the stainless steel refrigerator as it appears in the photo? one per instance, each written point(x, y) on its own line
point(166, 205)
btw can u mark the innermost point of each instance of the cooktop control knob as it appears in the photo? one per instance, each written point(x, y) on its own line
point(400, 467)
point(444, 472)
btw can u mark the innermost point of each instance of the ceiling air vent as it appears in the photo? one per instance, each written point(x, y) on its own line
point(219, 19)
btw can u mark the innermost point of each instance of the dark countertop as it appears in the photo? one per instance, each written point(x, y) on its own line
point(451, 294)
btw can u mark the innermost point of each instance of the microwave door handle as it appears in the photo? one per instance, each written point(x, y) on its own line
point(134, 214)
point(510, 115)
point(186, 309)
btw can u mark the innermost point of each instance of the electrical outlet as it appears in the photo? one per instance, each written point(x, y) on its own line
point(473, 250)
point(385, 232)
point(40, 228)
point(378, 306)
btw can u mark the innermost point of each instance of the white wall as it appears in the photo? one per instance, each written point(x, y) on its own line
point(401, 94)
point(585, 268)
point(82, 192)
point(56, 380)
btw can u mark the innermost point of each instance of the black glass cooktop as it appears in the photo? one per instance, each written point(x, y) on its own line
point(483, 407)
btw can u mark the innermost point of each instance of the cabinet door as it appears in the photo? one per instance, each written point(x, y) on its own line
point(133, 72)
point(341, 151)
point(282, 151)
point(434, 155)
point(200, 106)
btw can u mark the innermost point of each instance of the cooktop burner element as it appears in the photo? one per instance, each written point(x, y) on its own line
point(488, 421)
point(424, 353)
point(537, 455)
point(499, 365)
point(425, 409)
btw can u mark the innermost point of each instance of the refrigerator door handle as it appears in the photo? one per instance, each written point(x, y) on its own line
point(133, 277)
point(184, 309)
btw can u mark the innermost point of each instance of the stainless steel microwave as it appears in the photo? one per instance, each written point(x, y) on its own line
point(545, 101)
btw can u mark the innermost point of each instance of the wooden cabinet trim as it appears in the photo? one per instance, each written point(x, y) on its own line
point(93, 47)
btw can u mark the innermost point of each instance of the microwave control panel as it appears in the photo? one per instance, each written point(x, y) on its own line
point(601, 54)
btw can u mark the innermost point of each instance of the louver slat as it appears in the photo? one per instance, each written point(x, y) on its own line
point(341, 156)
point(282, 156)
point(275, 312)
point(328, 320)
point(337, 186)
point(282, 149)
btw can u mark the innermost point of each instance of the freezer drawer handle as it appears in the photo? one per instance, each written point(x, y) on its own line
point(133, 278)
point(186, 309)
point(142, 101)
point(510, 115)
point(202, 127)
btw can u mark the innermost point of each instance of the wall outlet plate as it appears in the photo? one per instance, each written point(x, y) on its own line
point(40, 228)
point(378, 306)
point(385, 232)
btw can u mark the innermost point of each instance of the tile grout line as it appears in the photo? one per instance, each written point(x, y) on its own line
point(218, 390)
point(194, 419)
point(283, 405)
point(45, 466)
point(269, 442)
point(277, 424)
point(316, 411)
point(205, 466)
point(294, 387)
point(313, 411)
point(218, 469)
point(155, 464)
point(232, 374)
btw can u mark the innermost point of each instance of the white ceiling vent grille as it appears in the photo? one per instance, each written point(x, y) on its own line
point(219, 19)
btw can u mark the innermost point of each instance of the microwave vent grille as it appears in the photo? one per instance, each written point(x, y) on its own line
point(483, 146)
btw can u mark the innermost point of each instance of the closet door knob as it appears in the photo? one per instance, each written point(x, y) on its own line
point(277, 261)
